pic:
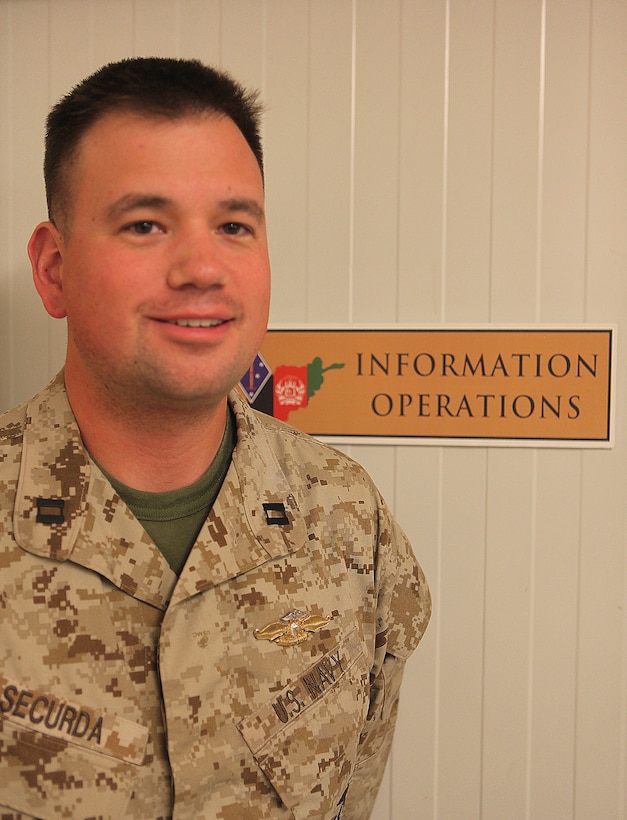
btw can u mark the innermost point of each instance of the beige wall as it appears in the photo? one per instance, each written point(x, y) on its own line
point(427, 161)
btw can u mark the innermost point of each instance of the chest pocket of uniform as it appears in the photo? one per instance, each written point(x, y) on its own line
point(305, 738)
point(61, 760)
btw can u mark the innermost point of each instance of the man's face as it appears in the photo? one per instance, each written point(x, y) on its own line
point(164, 268)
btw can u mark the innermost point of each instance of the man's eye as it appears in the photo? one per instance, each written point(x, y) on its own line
point(143, 227)
point(234, 228)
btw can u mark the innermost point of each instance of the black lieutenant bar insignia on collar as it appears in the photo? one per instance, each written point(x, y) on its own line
point(50, 511)
point(275, 513)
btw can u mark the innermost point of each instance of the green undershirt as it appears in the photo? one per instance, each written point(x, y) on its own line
point(173, 519)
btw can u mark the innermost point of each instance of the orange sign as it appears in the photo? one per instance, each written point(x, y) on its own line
point(539, 385)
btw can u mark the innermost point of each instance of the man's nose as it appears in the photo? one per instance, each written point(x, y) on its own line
point(197, 261)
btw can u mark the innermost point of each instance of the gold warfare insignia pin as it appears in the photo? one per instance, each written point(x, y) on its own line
point(291, 629)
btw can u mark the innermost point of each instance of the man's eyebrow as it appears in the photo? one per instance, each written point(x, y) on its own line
point(130, 202)
point(244, 205)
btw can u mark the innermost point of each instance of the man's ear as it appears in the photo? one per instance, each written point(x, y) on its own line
point(45, 251)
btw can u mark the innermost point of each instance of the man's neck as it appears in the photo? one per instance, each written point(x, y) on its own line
point(150, 451)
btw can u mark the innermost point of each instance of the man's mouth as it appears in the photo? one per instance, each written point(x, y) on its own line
point(195, 322)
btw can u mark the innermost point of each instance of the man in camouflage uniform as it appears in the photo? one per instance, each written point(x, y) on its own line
point(205, 613)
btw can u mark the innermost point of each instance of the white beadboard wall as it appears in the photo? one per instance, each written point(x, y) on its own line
point(427, 161)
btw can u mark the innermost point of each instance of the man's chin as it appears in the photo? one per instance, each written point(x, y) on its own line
point(167, 395)
point(185, 397)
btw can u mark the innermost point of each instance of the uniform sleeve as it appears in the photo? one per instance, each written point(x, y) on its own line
point(403, 612)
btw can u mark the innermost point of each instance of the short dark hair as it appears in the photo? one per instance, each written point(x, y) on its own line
point(159, 87)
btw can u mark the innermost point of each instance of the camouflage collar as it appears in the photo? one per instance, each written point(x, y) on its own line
point(65, 509)
point(255, 517)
